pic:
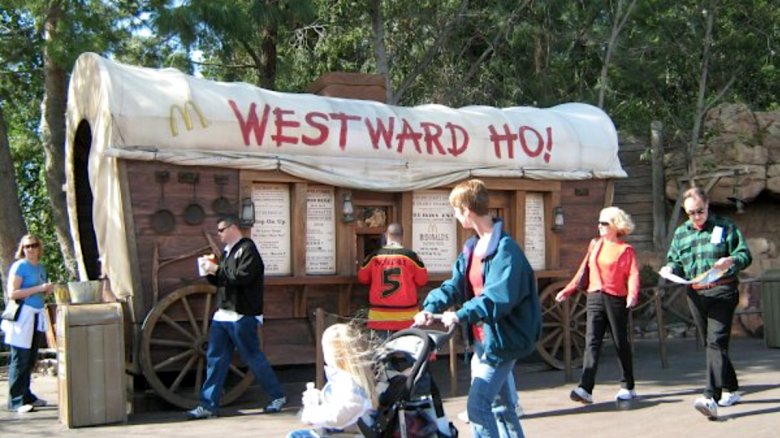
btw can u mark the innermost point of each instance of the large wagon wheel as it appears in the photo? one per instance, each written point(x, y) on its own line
point(173, 348)
point(551, 344)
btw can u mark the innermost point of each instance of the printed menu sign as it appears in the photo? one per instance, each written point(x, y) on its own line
point(271, 231)
point(320, 230)
point(434, 230)
point(534, 231)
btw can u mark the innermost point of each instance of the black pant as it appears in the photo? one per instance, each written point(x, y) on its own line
point(713, 311)
point(603, 309)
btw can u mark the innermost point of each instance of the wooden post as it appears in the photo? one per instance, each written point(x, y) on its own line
point(658, 294)
point(567, 371)
point(659, 196)
point(319, 327)
point(453, 368)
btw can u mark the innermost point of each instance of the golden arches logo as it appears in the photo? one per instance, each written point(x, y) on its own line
point(184, 112)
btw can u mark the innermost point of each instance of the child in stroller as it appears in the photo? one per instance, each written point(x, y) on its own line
point(385, 393)
point(410, 404)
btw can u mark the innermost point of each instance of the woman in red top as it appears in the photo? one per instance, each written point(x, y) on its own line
point(610, 276)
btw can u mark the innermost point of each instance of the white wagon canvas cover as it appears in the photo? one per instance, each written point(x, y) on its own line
point(167, 116)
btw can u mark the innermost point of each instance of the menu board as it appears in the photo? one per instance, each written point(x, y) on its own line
point(434, 230)
point(271, 231)
point(320, 230)
point(535, 231)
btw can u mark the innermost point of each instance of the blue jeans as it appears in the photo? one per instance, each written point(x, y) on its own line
point(492, 399)
point(224, 337)
point(303, 433)
point(19, 372)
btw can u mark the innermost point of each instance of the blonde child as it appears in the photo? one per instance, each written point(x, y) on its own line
point(350, 392)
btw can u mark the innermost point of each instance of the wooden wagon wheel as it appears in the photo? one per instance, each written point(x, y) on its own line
point(173, 348)
point(551, 344)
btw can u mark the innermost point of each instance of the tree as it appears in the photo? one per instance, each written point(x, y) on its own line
point(233, 36)
point(11, 219)
point(58, 31)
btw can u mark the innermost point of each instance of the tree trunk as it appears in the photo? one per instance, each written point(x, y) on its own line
point(617, 27)
point(268, 56)
point(53, 138)
point(700, 101)
point(11, 220)
point(380, 51)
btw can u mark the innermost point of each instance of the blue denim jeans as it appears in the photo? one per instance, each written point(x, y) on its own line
point(224, 337)
point(303, 433)
point(492, 399)
point(19, 372)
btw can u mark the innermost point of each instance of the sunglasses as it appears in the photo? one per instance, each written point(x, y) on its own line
point(604, 224)
point(221, 230)
point(698, 211)
point(31, 245)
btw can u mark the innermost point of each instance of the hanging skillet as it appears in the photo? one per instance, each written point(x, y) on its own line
point(163, 220)
point(193, 213)
point(221, 205)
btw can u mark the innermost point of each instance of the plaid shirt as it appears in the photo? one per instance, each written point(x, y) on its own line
point(692, 252)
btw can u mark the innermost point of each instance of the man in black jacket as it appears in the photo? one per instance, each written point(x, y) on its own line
point(239, 281)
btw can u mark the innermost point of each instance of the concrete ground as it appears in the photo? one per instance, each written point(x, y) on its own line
point(664, 407)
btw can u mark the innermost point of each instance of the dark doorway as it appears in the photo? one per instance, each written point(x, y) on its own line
point(87, 239)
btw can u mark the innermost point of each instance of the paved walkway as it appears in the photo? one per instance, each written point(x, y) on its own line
point(664, 408)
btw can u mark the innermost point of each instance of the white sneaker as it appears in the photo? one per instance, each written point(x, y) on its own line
point(729, 399)
point(625, 394)
point(519, 411)
point(579, 394)
point(707, 407)
point(23, 409)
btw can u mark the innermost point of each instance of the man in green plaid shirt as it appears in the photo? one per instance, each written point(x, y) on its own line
point(702, 243)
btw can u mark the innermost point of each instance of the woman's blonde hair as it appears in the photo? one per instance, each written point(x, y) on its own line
point(26, 240)
point(353, 354)
point(619, 219)
point(473, 195)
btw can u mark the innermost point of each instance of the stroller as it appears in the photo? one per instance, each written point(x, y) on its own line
point(410, 404)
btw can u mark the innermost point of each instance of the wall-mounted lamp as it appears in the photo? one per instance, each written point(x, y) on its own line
point(347, 209)
point(558, 219)
point(246, 217)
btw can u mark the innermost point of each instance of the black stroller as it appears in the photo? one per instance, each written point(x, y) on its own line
point(409, 401)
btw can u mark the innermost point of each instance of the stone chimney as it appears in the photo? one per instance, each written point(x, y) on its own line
point(350, 85)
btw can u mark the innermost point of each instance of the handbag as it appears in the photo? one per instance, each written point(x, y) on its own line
point(12, 310)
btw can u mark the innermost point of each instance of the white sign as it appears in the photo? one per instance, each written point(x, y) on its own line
point(534, 231)
point(320, 230)
point(271, 231)
point(434, 230)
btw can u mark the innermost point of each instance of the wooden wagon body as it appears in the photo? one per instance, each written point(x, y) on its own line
point(154, 157)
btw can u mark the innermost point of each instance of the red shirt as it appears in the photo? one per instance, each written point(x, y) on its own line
point(613, 269)
point(477, 282)
point(394, 274)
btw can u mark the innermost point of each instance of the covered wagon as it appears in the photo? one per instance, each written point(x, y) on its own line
point(155, 157)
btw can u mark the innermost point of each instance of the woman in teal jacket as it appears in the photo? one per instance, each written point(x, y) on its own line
point(495, 286)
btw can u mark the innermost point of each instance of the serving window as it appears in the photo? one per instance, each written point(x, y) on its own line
point(302, 228)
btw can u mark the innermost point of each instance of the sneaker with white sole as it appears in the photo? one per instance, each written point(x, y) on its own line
point(25, 408)
point(707, 407)
point(275, 405)
point(625, 394)
point(579, 394)
point(729, 399)
point(39, 403)
point(200, 413)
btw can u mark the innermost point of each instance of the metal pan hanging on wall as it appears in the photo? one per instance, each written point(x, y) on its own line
point(193, 213)
point(221, 205)
point(163, 220)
